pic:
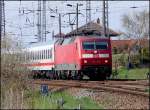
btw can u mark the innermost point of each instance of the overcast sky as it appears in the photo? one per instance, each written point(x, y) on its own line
point(17, 22)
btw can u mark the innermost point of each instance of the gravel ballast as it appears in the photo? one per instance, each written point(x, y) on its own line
point(112, 100)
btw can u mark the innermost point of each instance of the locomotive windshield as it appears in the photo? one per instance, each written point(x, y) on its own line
point(95, 45)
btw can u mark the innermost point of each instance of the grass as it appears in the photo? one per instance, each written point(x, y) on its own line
point(70, 102)
point(147, 90)
point(135, 73)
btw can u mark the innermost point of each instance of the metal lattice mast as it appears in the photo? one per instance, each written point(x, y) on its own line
point(2, 13)
point(88, 11)
point(105, 19)
point(39, 35)
point(44, 21)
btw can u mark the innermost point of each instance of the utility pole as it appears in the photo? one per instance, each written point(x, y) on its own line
point(44, 21)
point(41, 25)
point(2, 13)
point(60, 25)
point(39, 35)
point(70, 22)
point(77, 17)
point(105, 19)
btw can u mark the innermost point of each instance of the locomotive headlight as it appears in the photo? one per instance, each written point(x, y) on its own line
point(104, 55)
point(106, 61)
point(87, 55)
point(85, 61)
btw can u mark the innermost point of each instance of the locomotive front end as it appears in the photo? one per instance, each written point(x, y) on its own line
point(96, 58)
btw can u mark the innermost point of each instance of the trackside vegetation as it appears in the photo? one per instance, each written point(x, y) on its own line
point(60, 100)
point(134, 73)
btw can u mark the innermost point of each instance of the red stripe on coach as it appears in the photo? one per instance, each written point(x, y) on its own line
point(41, 64)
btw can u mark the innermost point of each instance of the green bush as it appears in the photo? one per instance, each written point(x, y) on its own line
point(135, 60)
point(146, 54)
point(120, 58)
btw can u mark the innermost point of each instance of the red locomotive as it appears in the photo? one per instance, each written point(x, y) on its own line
point(72, 58)
point(84, 56)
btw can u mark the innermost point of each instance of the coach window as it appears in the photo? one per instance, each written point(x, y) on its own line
point(50, 53)
point(36, 55)
point(39, 55)
point(26, 56)
point(33, 55)
point(30, 55)
point(42, 54)
point(46, 53)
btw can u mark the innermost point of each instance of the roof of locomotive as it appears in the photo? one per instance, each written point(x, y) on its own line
point(91, 37)
point(72, 39)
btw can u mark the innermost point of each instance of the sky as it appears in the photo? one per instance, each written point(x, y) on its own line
point(24, 25)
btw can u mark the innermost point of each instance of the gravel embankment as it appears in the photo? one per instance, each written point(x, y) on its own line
point(112, 100)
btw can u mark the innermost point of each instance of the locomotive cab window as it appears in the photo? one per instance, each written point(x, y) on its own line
point(101, 45)
point(95, 45)
point(88, 45)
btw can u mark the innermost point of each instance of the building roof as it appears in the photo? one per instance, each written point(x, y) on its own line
point(91, 28)
point(130, 43)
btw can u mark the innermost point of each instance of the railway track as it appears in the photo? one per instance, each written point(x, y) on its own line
point(134, 87)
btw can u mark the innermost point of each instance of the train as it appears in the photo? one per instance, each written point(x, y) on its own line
point(71, 58)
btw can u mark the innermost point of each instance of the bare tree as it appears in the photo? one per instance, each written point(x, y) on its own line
point(136, 24)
